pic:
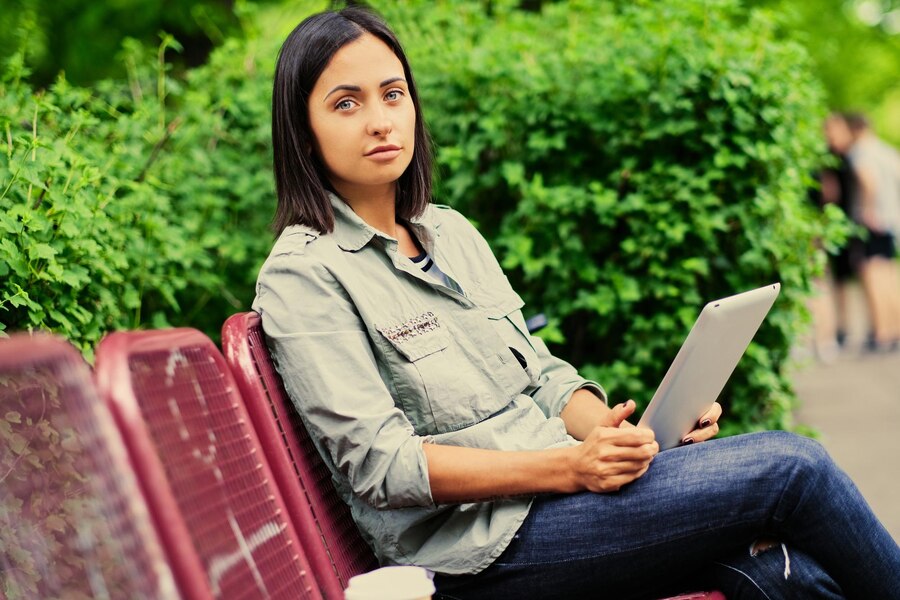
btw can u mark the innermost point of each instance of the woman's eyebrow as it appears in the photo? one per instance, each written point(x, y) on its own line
point(390, 81)
point(349, 88)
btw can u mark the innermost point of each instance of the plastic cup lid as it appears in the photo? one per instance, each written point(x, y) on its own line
point(391, 583)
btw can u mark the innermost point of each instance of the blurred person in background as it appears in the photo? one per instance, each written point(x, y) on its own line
point(837, 185)
point(876, 166)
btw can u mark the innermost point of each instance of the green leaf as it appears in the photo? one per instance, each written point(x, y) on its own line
point(41, 251)
point(60, 319)
point(16, 300)
point(9, 225)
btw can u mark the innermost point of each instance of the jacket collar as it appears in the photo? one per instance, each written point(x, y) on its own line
point(352, 233)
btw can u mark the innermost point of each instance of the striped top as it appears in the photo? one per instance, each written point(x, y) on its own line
point(426, 263)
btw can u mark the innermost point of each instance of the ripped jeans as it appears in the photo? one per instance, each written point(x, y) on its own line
point(690, 522)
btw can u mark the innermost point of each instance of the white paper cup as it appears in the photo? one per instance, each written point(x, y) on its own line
point(391, 583)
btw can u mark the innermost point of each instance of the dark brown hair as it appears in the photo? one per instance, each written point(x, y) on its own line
point(300, 177)
point(856, 121)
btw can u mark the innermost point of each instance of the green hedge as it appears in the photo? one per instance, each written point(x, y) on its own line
point(626, 165)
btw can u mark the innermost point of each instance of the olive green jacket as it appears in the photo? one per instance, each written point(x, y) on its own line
point(380, 358)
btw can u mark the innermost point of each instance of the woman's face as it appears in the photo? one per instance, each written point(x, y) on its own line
point(362, 118)
point(838, 134)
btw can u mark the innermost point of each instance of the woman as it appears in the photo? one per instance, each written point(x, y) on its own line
point(460, 443)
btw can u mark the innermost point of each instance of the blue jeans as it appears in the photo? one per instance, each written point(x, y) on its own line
point(690, 521)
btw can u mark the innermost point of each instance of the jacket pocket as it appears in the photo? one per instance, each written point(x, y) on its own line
point(417, 337)
point(441, 387)
point(505, 314)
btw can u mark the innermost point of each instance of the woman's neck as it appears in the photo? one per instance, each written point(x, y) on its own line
point(378, 208)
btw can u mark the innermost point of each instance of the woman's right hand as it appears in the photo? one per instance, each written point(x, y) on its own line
point(612, 456)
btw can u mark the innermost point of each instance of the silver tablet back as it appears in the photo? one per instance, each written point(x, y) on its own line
point(704, 363)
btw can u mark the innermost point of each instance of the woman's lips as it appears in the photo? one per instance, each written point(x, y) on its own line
point(384, 153)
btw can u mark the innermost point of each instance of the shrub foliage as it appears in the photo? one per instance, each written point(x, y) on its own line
point(626, 162)
point(136, 203)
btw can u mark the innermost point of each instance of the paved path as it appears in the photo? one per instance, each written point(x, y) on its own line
point(854, 402)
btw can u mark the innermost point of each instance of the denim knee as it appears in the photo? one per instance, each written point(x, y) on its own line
point(800, 452)
point(803, 449)
point(804, 466)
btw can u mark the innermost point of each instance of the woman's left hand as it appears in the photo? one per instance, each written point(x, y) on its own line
point(707, 426)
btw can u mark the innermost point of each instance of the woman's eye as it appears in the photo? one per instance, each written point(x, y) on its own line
point(393, 95)
point(345, 104)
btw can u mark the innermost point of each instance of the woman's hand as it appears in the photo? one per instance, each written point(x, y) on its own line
point(707, 426)
point(616, 415)
point(612, 456)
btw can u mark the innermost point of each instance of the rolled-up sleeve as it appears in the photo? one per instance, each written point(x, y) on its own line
point(558, 381)
point(323, 353)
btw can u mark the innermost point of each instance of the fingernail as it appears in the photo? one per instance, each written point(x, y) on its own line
point(705, 423)
point(687, 440)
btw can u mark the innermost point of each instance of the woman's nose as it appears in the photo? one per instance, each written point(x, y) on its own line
point(380, 123)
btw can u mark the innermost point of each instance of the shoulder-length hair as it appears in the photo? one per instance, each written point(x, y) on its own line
point(300, 177)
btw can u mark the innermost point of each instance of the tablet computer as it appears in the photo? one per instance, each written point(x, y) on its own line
point(704, 363)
